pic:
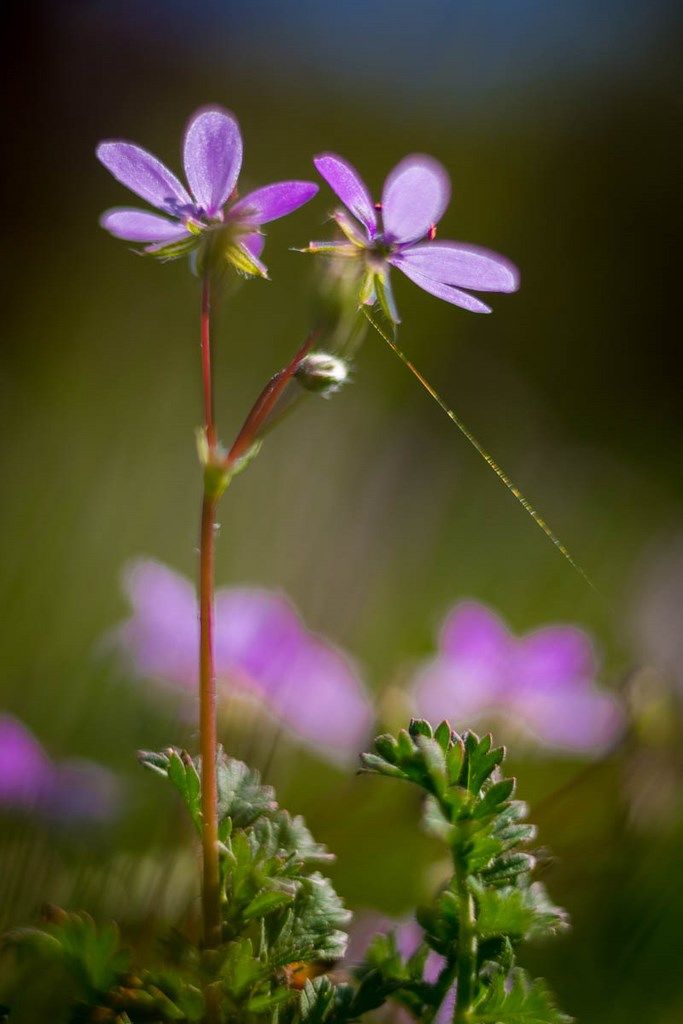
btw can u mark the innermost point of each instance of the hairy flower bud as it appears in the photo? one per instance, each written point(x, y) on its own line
point(322, 373)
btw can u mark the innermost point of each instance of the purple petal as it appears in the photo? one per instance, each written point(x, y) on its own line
point(261, 644)
point(461, 265)
point(143, 174)
point(162, 636)
point(555, 659)
point(461, 694)
point(309, 684)
point(447, 1008)
point(140, 226)
point(273, 201)
point(415, 196)
point(256, 633)
point(24, 765)
point(349, 186)
point(582, 722)
point(212, 156)
point(444, 291)
point(468, 677)
point(254, 243)
point(473, 633)
point(323, 701)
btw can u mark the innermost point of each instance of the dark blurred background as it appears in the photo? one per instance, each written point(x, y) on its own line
point(561, 127)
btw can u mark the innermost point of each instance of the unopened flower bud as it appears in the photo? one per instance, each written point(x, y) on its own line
point(322, 373)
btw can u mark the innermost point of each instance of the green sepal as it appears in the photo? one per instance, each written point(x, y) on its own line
point(385, 299)
point(242, 261)
point(176, 250)
point(350, 228)
point(239, 465)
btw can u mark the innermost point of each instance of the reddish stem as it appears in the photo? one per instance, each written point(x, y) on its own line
point(207, 379)
point(265, 403)
point(207, 676)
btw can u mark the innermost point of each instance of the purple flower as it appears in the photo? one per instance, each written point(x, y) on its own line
point(210, 211)
point(543, 683)
point(262, 649)
point(408, 936)
point(24, 765)
point(63, 792)
point(400, 231)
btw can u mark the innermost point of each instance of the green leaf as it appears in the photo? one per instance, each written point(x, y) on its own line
point(455, 758)
point(91, 955)
point(495, 797)
point(517, 1000)
point(481, 761)
point(507, 867)
point(420, 727)
point(387, 747)
point(281, 834)
point(434, 761)
point(241, 970)
point(178, 767)
point(444, 736)
point(520, 913)
point(441, 922)
point(266, 902)
point(372, 992)
point(316, 1000)
point(312, 927)
point(373, 764)
point(510, 827)
point(268, 1001)
point(241, 797)
point(406, 747)
point(435, 822)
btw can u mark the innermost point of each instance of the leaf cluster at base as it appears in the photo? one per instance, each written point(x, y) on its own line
point(471, 930)
point(283, 924)
point(278, 912)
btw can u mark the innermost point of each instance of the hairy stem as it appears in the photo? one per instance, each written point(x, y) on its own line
point(467, 946)
point(207, 677)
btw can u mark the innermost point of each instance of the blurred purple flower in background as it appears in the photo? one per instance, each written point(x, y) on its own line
point(262, 648)
point(408, 935)
point(24, 765)
point(212, 157)
point(400, 232)
point(74, 791)
point(542, 683)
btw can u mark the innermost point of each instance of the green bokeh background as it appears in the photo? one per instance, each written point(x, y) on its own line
point(369, 510)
